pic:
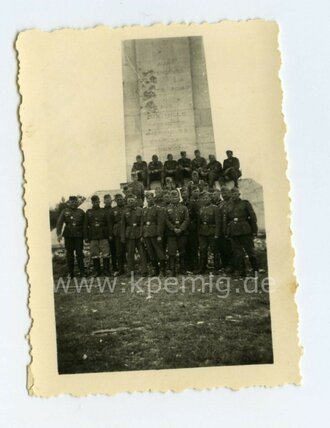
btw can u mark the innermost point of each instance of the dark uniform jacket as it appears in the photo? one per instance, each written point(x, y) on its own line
point(97, 224)
point(139, 166)
point(214, 166)
point(209, 222)
point(137, 189)
point(155, 166)
point(240, 218)
point(116, 220)
point(132, 223)
point(177, 217)
point(74, 223)
point(170, 165)
point(198, 163)
point(184, 162)
point(193, 208)
point(231, 163)
point(153, 221)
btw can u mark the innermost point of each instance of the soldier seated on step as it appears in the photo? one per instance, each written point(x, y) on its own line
point(155, 171)
point(184, 168)
point(141, 168)
point(171, 170)
point(231, 168)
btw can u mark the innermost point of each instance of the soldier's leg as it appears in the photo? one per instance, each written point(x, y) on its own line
point(105, 251)
point(238, 255)
point(182, 245)
point(214, 245)
point(113, 254)
point(95, 256)
point(248, 245)
point(159, 255)
point(130, 243)
point(79, 248)
point(203, 245)
point(143, 258)
point(120, 252)
point(69, 244)
point(151, 253)
point(225, 252)
point(172, 248)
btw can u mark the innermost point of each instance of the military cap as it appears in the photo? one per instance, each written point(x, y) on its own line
point(183, 152)
point(95, 198)
point(229, 151)
point(118, 195)
point(73, 198)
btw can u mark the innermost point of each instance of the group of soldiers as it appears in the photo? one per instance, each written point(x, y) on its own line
point(194, 222)
point(183, 168)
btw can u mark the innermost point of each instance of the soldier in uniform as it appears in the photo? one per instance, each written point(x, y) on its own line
point(224, 242)
point(158, 196)
point(240, 223)
point(198, 162)
point(177, 221)
point(208, 232)
point(116, 220)
point(73, 219)
point(107, 201)
point(215, 197)
point(98, 231)
point(170, 168)
point(231, 168)
point(194, 182)
point(131, 233)
point(152, 234)
point(213, 171)
point(184, 196)
point(184, 168)
point(155, 171)
point(193, 205)
point(141, 168)
point(137, 189)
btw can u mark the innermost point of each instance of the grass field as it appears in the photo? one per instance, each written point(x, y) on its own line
point(197, 327)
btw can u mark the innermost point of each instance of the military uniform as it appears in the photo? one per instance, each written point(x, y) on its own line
point(192, 245)
point(170, 170)
point(183, 173)
point(98, 229)
point(231, 169)
point(198, 163)
point(177, 217)
point(155, 172)
point(209, 224)
point(137, 189)
point(240, 224)
point(142, 170)
point(224, 242)
point(153, 221)
point(214, 171)
point(73, 219)
point(131, 233)
point(116, 215)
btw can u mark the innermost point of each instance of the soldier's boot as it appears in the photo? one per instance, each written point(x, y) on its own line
point(203, 264)
point(70, 263)
point(81, 266)
point(162, 268)
point(216, 263)
point(106, 266)
point(182, 270)
point(254, 263)
point(156, 268)
point(97, 268)
point(172, 266)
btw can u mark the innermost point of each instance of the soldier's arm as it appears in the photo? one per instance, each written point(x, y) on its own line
point(168, 222)
point(252, 217)
point(123, 227)
point(110, 224)
point(86, 226)
point(185, 222)
point(59, 224)
point(237, 165)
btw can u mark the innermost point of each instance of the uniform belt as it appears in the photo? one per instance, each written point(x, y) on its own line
point(134, 224)
point(236, 219)
point(149, 223)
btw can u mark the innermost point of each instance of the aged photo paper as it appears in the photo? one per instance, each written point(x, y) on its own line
point(157, 209)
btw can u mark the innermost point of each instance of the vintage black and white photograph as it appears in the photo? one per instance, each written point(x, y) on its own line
point(157, 203)
point(168, 269)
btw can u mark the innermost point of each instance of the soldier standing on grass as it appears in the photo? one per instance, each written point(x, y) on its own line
point(224, 242)
point(98, 231)
point(177, 221)
point(152, 234)
point(193, 206)
point(209, 223)
point(241, 227)
point(116, 220)
point(107, 201)
point(131, 233)
point(73, 219)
